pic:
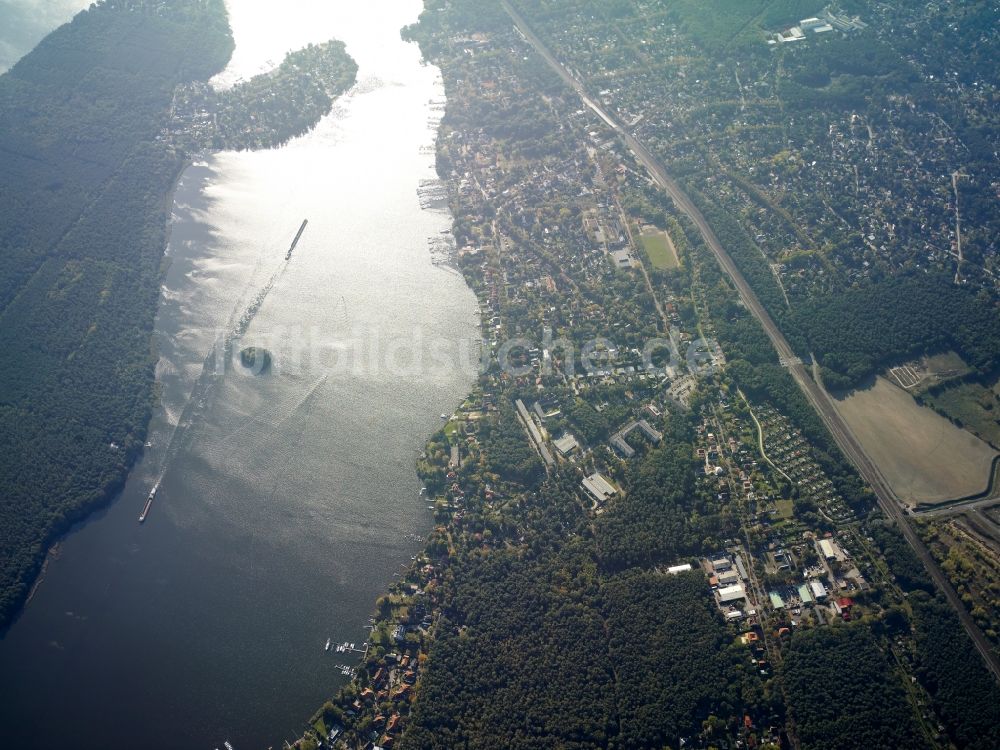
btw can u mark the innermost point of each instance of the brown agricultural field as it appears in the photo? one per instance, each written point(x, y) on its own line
point(923, 456)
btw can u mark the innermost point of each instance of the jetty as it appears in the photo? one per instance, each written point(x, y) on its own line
point(346, 647)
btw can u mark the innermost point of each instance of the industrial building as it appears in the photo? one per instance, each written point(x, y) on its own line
point(818, 590)
point(599, 487)
point(829, 549)
point(566, 445)
point(733, 593)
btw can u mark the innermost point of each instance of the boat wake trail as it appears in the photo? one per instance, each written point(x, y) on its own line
point(262, 426)
point(301, 408)
point(213, 369)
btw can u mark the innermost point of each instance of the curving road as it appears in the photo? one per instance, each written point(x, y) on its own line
point(990, 496)
point(816, 395)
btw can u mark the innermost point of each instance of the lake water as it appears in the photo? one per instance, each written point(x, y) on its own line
point(23, 24)
point(287, 499)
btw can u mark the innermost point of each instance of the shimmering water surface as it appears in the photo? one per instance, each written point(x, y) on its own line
point(288, 499)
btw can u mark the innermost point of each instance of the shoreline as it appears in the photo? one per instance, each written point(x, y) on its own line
point(103, 497)
point(83, 514)
point(446, 261)
point(51, 554)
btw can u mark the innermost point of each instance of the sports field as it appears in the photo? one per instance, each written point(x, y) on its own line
point(659, 247)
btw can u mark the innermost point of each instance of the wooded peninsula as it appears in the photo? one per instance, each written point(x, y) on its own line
point(93, 141)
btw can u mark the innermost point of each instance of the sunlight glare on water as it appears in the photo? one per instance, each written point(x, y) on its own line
point(286, 500)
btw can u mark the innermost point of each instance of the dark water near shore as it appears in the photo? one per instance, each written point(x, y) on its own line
point(286, 500)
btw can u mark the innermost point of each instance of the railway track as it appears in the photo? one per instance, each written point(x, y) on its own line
point(814, 393)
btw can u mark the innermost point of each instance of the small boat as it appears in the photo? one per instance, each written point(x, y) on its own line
point(327, 646)
point(444, 416)
point(228, 745)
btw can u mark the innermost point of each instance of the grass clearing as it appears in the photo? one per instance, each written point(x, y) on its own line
point(948, 364)
point(975, 406)
point(660, 248)
point(923, 456)
point(920, 375)
point(320, 726)
point(718, 23)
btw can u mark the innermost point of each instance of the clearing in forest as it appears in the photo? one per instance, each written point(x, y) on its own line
point(923, 456)
point(659, 247)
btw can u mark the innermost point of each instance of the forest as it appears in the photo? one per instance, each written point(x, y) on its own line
point(652, 523)
point(82, 232)
point(510, 456)
point(903, 561)
point(965, 694)
point(859, 332)
point(89, 165)
point(541, 649)
point(747, 258)
point(673, 661)
point(270, 108)
point(843, 692)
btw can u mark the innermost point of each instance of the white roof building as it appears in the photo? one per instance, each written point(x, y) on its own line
point(728, 577)
point(818, 589)
point(675, 569)
point(721, 564)
point(731, 593)
point(566, 444)
point(829, 549)
point(599, 487)
point(794, 34)
point(622, 258)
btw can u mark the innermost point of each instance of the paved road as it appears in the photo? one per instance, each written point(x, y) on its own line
point(817, 396)
point(991, 497)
